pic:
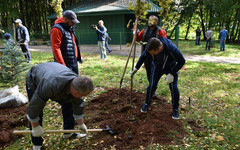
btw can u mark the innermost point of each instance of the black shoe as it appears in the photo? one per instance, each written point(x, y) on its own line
point(175, 114)
point(144, 108)
point(154, 96)
point(110, 51)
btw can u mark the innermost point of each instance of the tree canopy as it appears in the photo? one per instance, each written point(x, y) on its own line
point(190, 14)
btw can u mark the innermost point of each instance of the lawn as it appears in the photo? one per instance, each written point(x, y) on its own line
point(213, 90)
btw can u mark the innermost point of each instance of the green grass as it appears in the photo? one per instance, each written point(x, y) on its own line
point(189, 47)
point(214, 89)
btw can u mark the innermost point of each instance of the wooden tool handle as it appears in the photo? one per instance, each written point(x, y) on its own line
point(55, 131)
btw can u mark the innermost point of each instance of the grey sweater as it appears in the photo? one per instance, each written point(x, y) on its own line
point(51, 80)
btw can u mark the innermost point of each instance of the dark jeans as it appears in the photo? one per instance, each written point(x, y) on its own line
point(148, 66)
point(26, 51)
point(155, 77)
point(197, 40)
point(68, 120)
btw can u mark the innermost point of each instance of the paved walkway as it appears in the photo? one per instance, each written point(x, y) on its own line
point(124, 51)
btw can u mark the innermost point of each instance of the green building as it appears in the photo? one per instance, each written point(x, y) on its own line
point(115, 15)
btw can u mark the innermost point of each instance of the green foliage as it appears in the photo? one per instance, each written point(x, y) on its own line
point(140, 9)
point(12, 65)
point(57, 5)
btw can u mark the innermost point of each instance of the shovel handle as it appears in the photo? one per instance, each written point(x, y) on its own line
point(55, 131)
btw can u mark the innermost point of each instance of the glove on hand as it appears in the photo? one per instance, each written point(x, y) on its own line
point(37, 131)
point(169, 79)
point(133, 72)
point(83, 127)
point(82, 60)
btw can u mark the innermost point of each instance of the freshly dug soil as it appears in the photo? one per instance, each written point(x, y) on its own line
point(134, 129)
point(11, 118)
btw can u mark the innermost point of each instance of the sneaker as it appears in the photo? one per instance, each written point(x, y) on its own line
point(110, 51)
point(144, 108)
point(35, 147)
point(175, 114)
point(105, 58)
point(73, 135)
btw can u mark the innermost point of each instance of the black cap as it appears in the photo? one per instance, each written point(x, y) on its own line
point(71, 15)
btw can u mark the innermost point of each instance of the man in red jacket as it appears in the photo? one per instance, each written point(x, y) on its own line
point(152, 30)
point(64, 42)
point(66, 52)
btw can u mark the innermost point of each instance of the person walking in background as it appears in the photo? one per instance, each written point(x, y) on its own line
point(106, 42)
point(198, 35)
point(152, 30)
point(223, 35)
point(101, 37)
point(22, 37)
point(209, 35)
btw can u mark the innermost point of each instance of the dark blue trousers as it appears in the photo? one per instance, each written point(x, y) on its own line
point(68, 120)
point(25, 50)
point(156, 74)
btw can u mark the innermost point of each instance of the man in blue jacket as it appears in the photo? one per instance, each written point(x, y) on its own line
point(22, 37)
point(223, 36)
point(101, 37)
point(167, 59)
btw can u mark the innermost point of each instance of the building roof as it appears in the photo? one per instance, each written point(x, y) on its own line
point(103, 7)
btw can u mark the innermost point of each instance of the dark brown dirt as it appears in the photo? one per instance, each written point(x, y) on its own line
point(133, 128)
point(9, 119)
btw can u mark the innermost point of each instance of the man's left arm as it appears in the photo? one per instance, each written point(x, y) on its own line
point(26, 35)
point(78, 108)
point(177, 55)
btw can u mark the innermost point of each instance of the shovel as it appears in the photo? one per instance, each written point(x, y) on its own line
point(107, 129)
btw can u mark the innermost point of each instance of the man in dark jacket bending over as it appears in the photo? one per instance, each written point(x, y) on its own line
point(54, 81)
point(167, 59)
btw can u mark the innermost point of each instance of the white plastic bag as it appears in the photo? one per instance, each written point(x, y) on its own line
point(12, 98)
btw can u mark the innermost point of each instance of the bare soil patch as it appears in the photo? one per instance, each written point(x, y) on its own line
point(11, 118)
point(134, 129)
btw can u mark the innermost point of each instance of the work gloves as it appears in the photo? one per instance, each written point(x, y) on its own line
point(169, 78)
point(81, 60)
point(133, 72)
point(82, 127)
point(37, 131)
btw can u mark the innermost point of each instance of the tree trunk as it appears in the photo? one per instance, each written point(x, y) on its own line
point(202, 20)
point(189, 23)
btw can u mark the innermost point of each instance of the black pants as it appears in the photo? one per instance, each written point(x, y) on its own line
point(68, 120)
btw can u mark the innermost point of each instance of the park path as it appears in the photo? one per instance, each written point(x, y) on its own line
point(124, 51)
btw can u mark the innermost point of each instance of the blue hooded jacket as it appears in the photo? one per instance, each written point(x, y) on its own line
point(170, 60)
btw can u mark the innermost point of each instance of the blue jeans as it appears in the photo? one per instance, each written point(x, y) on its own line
point(106, 46)
point(208, 42)
point(197, 40)
point(68, 120)
point(156, 74)
point(222, 45)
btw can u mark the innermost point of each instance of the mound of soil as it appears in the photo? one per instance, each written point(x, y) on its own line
point(133, 128)
point(11, 118)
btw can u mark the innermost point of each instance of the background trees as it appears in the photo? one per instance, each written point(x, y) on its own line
point(184, 13)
